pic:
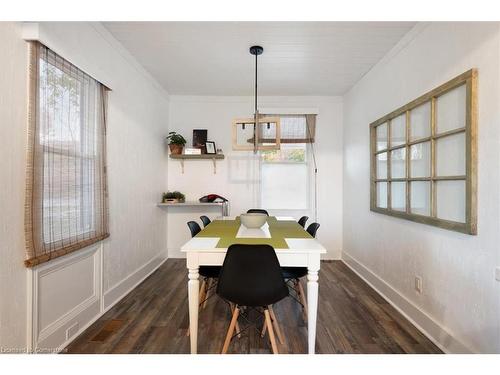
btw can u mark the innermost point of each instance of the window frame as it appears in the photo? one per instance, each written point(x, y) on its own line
point(39, 248)
point(306, 163)
point(469, 79)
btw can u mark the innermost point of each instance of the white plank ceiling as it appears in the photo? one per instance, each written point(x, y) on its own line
point(300, 58)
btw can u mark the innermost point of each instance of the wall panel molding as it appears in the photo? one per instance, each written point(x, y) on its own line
point(51, 336)
point(71, 322)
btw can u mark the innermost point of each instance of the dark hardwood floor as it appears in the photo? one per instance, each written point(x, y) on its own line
point(153, 318)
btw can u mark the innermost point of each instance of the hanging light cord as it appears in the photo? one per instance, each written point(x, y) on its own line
point(256, 83)
point(256, 115)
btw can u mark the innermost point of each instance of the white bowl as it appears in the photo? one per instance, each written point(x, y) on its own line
point(253, 220)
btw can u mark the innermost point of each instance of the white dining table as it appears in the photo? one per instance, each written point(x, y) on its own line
point(301, 252)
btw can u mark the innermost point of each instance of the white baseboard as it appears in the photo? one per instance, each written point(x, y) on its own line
point(428, 326)
point(176, 253)
point(124, 287)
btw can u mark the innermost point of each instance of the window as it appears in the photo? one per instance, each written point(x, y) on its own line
point(424, 158)
point(285, 173)
point(66, 196)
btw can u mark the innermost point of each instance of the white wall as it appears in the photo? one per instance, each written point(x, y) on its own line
point(460, 303)
point(13, 103)
point(237, 177)
point(137, 170)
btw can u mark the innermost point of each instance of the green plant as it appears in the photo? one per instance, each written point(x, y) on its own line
point(174, 195)
point(176, 139)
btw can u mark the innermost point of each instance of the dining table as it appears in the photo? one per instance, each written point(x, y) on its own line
point(294, 247)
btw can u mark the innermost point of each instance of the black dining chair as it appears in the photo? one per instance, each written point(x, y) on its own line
point(292, 275)
point(251, 279)
point(303, 220)
point(312, 229)
point(257, 211)
point(208, 273)
point(205, 220)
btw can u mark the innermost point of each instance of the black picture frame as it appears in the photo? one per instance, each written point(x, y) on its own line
point(200, 138)
point(210, 147)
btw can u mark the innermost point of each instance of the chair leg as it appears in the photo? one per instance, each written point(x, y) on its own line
point(203, 291)
point(271, 332)
point(303, 299)
point(230, 331)
point(276, 325)
point(238, 330)
point(207, 292)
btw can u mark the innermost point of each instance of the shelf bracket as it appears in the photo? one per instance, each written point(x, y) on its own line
point(215, 165)
point(182, 166)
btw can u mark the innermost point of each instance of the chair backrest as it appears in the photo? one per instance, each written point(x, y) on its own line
point(194, 227)
point(303, 220)
point(251, 276)
point(257, 211)
point(205, 220)
point(312, 229)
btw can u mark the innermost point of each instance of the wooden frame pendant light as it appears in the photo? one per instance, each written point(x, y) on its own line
point(257, 122)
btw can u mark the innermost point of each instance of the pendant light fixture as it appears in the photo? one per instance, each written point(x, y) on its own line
point(256, 51)
point(272, 142)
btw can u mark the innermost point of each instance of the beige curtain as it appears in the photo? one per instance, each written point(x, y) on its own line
point(294, 129)
point(66, 191)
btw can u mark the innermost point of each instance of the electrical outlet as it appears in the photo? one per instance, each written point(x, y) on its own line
point(418, 284)
point(497, 274)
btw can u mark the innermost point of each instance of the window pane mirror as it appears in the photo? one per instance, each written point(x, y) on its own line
point(398, 130)
point(381, 137)
point(420, 122)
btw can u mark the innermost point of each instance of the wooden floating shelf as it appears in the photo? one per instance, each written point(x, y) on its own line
point(183, 157)
point(202, 156)
point(194, 204)
point(189, 204)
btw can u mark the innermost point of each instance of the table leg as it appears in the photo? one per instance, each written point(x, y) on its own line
point(193, 296)
point(312, 308)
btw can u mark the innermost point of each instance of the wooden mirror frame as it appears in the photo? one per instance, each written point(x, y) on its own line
point(469, 79)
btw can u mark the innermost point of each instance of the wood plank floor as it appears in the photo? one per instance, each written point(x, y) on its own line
point(153, 318)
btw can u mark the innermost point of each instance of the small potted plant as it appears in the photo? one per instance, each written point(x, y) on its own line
point(173, 197)
point(176, 143)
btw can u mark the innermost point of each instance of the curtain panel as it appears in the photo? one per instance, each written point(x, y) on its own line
point(66, 205)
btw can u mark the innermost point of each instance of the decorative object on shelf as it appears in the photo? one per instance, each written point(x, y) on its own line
point(210, 198)
point(192, 151)
point(200, 139)
point(176, 143)
point(173, 197)
point(248, 134)
point(210, 147)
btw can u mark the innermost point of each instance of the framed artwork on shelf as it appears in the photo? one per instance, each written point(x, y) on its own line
point(199, 138)
point(210, 147)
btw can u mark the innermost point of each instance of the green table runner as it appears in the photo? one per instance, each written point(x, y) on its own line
point(279, 229)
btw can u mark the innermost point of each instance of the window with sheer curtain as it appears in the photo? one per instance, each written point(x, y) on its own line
point(285, 173)
point(66, 190)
